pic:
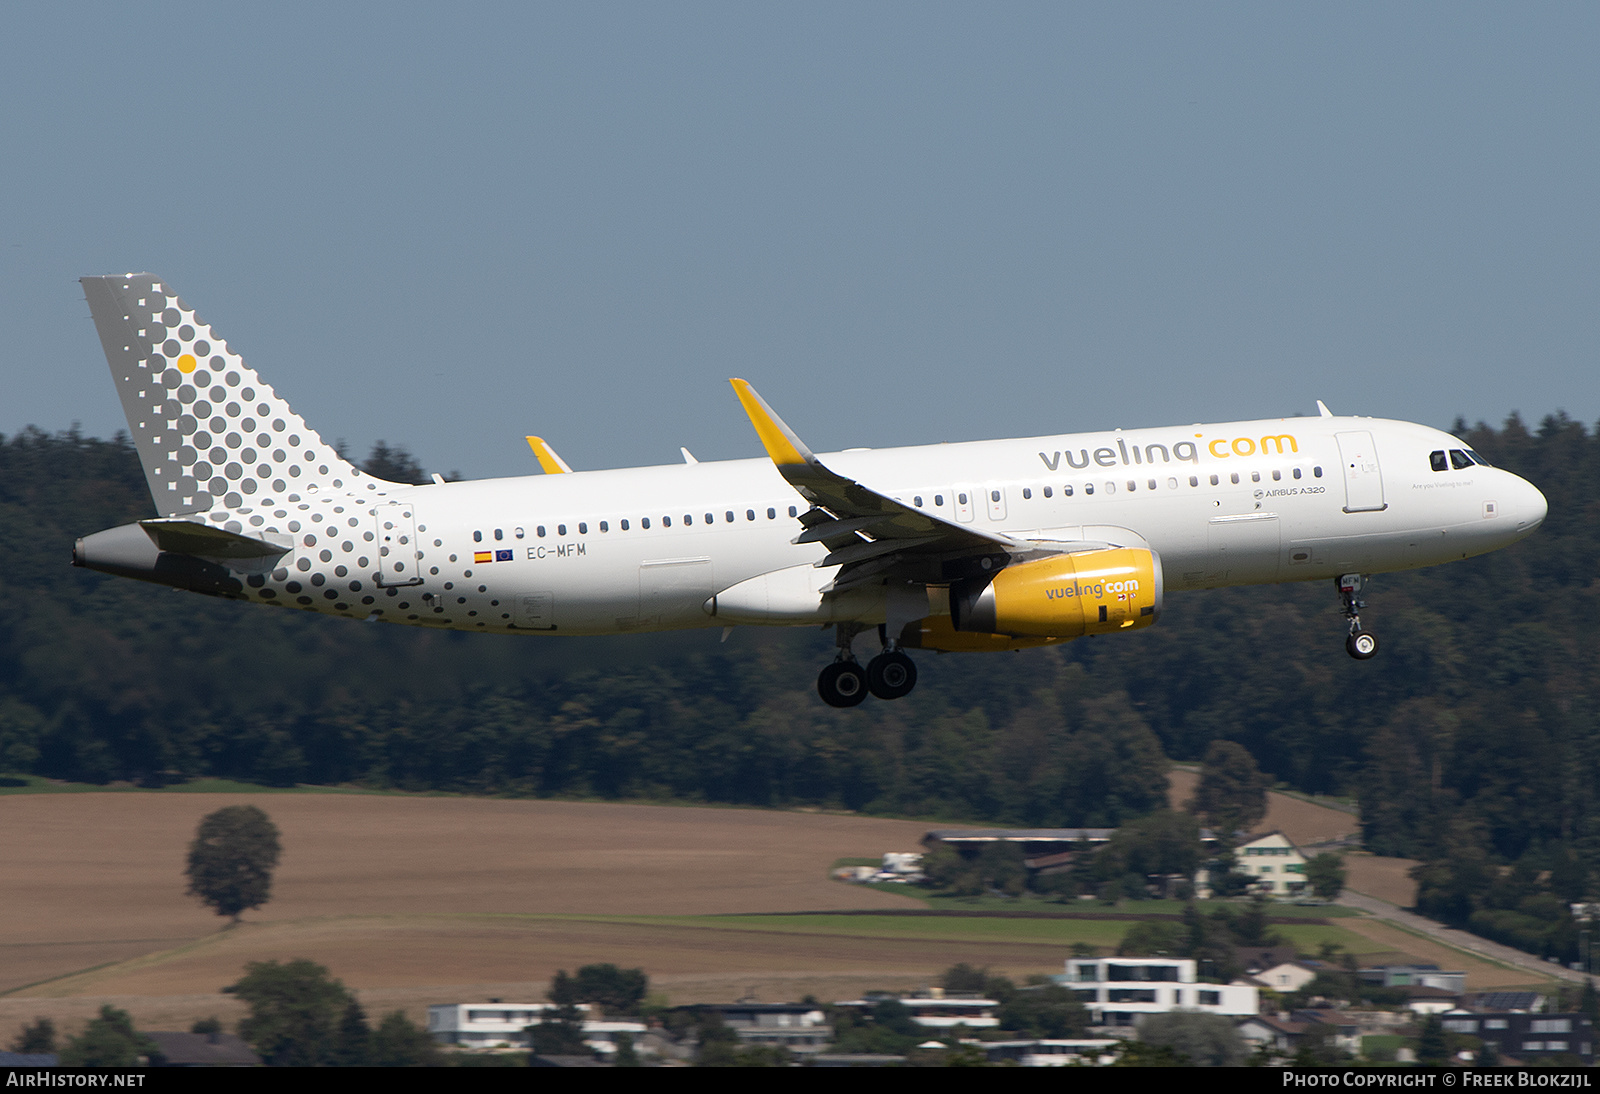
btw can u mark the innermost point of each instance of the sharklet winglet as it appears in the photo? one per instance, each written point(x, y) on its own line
point(781, 442)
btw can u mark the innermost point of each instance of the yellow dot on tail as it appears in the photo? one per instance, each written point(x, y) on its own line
point(186, 363)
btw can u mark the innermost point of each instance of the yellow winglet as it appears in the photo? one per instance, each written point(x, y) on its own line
point(780, 441)
point(552, 463)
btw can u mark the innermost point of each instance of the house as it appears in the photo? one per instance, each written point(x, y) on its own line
point(1276, 864)
point(1120, 990)
point(939, 1010)
point(505, 1025)
point(201, 1050)
point(1528, 1037)
point(1064, 1052)
point(802, 1028)
point(1280, 1035)
point(1421, 976)
point(1289, 976)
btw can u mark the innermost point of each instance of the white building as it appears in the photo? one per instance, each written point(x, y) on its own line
point(1054, 1053)
point(505, 1025)
point(1277, 865)
point(1120, 990)
point(940, 1011)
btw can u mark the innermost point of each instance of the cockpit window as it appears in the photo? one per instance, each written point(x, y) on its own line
point(1477, 459)
point(1437, 460)
point(1459, 459)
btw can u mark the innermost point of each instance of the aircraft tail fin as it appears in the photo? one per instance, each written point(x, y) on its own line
point(209, 432)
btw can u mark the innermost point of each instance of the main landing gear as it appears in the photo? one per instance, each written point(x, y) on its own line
point(1361, 644)
point(890, 675)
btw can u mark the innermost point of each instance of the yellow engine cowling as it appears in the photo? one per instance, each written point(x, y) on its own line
point(1064, 596)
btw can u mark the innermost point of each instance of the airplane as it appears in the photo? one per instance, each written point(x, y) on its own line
point(976, 546)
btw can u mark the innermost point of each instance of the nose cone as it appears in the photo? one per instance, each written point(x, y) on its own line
point(1527, 507)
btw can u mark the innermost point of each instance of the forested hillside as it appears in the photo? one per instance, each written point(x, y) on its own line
point(1472, 739)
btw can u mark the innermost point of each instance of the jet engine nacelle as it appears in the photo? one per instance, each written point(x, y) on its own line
point(1064, 596)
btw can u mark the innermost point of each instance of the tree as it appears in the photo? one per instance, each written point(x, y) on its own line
point(108, 1041)
point(616, 991)
point(295, 1012)
point(1207, 1040)
point(36, 1039)
point(1232, 796)
point(399, 1042)
point(232, 858)
point(559, 1033)
point(964, 978)
point(1326, 874)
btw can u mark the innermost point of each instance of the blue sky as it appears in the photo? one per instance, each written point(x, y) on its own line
point(904, 223)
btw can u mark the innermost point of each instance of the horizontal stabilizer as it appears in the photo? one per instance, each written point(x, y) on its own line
point(188, 537)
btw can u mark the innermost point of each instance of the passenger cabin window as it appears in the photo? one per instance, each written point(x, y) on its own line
point(1255, 476)
point(605, 526)
point(772, 514)
point(1088, 488)
point(711, 518)
point(1214, 480)
point(624, 525)
point(1234, 478)
point(666, 522)
point(1459, 459)
point(644, 522)
point(687, 520)
point(917, 501)
point(477, 537)
point(749, 514)
point(499, 535)
point(583, 528)
point(518, 533)
point(1316, 472)
point(1297, 472)
point(561, 529)
point(1194, 480)
point(938, 499)
point(1277, 475)
point(729, 516)
point(1026, 494)
point(1047, 492)
point(793, 511)
point(539, 531)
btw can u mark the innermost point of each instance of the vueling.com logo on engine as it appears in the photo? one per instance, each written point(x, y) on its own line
point(1098, 589)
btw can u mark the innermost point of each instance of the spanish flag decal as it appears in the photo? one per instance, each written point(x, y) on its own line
point(482, 556)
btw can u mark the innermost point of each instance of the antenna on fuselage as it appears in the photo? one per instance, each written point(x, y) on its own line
point(1322, 409)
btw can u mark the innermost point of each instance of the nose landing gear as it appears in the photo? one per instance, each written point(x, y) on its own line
point(1361, 644)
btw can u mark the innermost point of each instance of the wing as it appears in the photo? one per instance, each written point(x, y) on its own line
point(866, 533)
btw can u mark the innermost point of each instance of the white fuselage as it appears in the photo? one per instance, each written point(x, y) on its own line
point(603, 552)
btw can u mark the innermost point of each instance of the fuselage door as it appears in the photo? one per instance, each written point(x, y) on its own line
point(996, 496)
point(1363, 481)
point(397, 544)
point(963, 500)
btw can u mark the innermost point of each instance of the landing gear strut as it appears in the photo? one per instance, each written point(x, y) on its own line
point(843, 683)
point(1361, 644)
